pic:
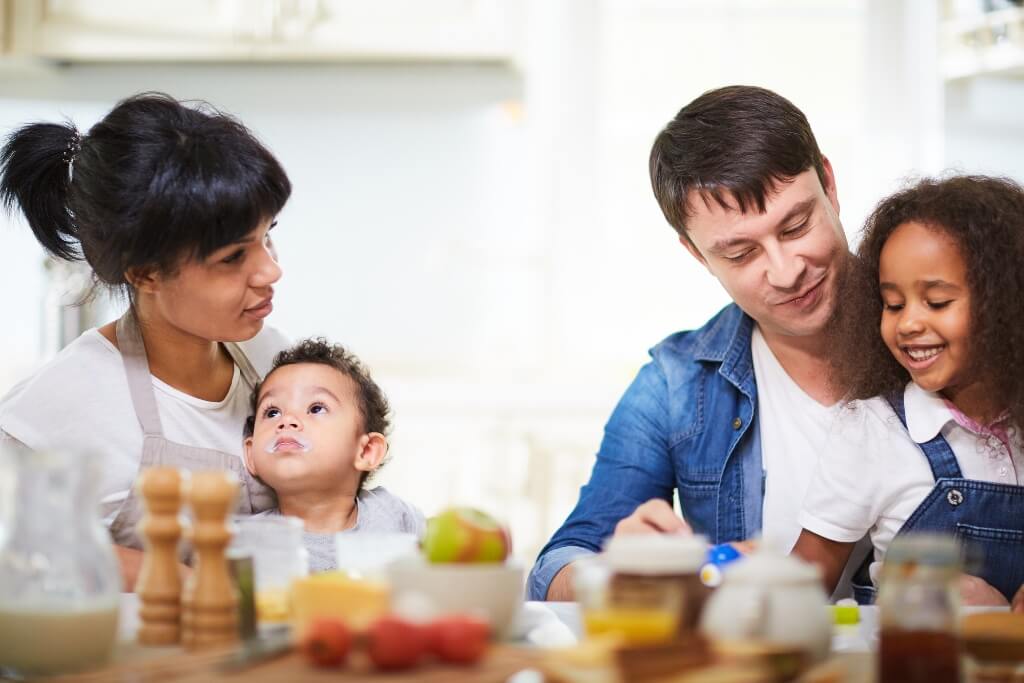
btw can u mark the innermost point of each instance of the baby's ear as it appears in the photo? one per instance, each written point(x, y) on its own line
point(250, 462)
point(372, 449)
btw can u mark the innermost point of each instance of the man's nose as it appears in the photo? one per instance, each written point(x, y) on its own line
point(785, 271)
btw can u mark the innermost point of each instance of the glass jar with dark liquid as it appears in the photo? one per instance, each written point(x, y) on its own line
point(919, 605)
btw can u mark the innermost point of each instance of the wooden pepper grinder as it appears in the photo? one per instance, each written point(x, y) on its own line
point(210, 604)
point(159, 583)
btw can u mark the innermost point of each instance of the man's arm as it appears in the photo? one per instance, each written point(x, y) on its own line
point(830, 555)
point(633, 466)
point(654, 516)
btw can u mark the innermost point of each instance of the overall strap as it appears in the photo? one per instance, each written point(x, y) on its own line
point(940, 455)
point(136, 368)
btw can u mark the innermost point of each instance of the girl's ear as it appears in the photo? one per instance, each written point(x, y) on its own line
point(250, 462)
point(372, 449)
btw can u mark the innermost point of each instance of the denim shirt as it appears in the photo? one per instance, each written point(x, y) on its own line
point(685, 423)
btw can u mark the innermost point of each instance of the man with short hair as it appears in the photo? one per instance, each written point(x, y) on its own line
point(732, 415)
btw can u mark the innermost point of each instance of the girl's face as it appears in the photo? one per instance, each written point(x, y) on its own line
point(926, 306)
point(226, 296)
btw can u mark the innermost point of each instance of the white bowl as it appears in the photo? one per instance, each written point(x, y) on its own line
point(492, 590)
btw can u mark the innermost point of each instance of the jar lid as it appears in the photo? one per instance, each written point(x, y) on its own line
point(656, 553)
point(930, 549)
point(766, 567)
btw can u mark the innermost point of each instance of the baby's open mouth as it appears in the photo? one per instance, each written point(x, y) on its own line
point(289, 444)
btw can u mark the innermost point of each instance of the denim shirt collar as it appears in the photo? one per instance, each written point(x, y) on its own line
point(728, 342)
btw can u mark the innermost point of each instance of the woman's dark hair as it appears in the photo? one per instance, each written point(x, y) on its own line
point(154, 182)
point(984, 216)
point(732, 145)
point(373, 404)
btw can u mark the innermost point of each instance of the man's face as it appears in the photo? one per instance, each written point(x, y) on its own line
point(781, 267)
point(308, 431)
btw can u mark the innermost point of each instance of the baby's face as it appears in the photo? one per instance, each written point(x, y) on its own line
point(308, 432)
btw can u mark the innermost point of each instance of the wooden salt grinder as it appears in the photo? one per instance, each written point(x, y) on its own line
point(210, 603)
point(159, 583)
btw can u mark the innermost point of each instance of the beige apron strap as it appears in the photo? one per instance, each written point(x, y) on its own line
point(136, 368)
point(243, 363)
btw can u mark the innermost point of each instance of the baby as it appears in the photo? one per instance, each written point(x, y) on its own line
point(316, 435)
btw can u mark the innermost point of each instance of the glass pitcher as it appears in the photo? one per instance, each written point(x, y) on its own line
point(59, 577)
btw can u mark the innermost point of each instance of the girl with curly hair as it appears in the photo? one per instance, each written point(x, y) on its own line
point(930, 440)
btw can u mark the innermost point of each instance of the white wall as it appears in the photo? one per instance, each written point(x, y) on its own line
point(487, 238)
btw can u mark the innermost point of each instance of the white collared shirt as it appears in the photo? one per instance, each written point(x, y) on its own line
point(873, 474)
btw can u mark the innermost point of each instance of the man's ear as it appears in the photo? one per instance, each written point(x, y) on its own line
point(692, 248)
point(372, 449)
point(144, 280)
point(250, 462)
point(830, 184)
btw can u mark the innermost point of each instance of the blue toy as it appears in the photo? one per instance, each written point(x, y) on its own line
point(719, 556)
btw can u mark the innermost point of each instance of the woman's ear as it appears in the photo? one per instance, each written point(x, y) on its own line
point(250, 462)
point(142, 279)
point(372, 449)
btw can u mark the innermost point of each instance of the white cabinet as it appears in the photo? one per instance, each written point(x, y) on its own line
point(264, 30)
point(976, 43)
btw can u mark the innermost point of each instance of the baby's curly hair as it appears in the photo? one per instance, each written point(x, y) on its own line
point(373, 404)
point(984, 216)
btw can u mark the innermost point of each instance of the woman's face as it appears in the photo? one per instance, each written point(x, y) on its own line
point(224, 297)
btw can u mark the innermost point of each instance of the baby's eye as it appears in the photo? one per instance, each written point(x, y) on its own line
point(271, 413)
point(317, 408)
point(892, 307)
point(936, 305)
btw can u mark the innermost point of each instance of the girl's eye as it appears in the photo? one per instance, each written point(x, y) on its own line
point(235, 257)
point(271, 413)
point(892, 307)
point(317, 408)
point(936, 305)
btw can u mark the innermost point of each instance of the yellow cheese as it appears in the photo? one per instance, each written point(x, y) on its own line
point(357, 602)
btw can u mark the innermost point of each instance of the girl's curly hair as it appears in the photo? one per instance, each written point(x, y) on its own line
point(984, 216)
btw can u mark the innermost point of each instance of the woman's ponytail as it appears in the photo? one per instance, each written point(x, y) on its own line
point(35, 173)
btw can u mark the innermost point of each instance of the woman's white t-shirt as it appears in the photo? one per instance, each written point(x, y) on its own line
point(80, 402)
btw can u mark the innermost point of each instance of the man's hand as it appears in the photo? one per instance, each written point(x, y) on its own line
point(976, 591)
point(653, 517)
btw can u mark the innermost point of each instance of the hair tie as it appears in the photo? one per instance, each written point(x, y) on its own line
point(72, 149)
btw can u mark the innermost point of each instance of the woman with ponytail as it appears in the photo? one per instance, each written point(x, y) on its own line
point(171, 206)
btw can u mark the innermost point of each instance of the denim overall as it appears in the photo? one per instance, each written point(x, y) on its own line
point(987, 518)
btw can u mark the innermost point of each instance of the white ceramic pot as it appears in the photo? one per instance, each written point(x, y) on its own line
point(773, 599)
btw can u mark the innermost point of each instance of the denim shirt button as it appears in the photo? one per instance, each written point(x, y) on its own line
point(955, 497)
point(737, 423)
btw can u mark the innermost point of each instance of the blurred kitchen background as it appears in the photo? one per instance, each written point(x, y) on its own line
point(472, 213)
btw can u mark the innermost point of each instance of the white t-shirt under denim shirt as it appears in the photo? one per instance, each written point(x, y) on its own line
point(873, 474)
point(794, 429)
point(79, 401)
point(377, 511)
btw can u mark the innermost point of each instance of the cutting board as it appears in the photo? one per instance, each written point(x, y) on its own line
point(501, 662)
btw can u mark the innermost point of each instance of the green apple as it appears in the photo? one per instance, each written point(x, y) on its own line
point(461, 534)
